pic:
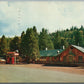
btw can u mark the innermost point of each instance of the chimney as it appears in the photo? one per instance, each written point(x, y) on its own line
point(63, 47)
point(58, 51)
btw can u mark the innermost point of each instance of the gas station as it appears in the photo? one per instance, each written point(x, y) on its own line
point(12, 58)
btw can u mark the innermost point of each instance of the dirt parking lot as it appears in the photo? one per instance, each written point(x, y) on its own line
point(39, 73)
point(74, 70)
point(26, 73)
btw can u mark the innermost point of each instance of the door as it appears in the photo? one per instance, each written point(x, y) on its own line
point(64, 59)
point(8, 60)
point(12, 61)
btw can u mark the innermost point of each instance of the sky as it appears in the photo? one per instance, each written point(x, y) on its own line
point(17, 16)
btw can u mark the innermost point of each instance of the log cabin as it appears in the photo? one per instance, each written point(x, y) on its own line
point(50, 56)
point(72, 55)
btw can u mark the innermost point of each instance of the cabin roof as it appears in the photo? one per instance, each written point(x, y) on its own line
point(50, 53)
point(79, 48)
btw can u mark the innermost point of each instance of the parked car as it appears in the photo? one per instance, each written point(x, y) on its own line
point(2, 61)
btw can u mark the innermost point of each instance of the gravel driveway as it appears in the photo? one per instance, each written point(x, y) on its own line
point(23, 74)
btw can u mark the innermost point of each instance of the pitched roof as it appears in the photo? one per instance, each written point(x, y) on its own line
point(49, 53)
point(52, 53)
point(79, 48)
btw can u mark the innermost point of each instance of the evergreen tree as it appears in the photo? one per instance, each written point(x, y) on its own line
point(64, 42)
point(81, 39)
point(8, 43)
point(22, 34)
point(35, 32)
point(23, 45)
point(15, 44)
point(3, 46)
point(81, 28)
point(57, 41)
point(72, 28)
point(78, 37)
point(21, 50)
point(29, 45)
point(45, 40)
point(50, 43)
point(37, 38)
point(72, 39)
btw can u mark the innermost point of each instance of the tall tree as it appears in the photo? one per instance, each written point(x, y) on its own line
point(78, 38)
point(21, 50)
point(64, 43)
point(57, 41)
point(72, 39)
point(81, 28)
point(29, 45)
point(45, 40)
point(22, 34)
point(15, 44)
point(3, 46)
point(37, 38)
point(35, 32)
point(81, 39)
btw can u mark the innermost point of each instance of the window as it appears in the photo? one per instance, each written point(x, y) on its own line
point(70, 59)
point(71, 47)
point(80, 59)
point(64, 59)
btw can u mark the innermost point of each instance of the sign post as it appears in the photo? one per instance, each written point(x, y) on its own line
point(16, 54)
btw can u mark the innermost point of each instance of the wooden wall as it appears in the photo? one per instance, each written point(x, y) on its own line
point(73, 53)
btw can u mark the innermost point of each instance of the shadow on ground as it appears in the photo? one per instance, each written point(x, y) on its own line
point(59, 65)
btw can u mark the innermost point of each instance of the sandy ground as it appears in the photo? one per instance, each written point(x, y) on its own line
point(29, 73)
point(74, 70)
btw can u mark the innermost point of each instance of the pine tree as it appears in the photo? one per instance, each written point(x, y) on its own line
point(78, 38)
point(22, 34)
point(81, 39)
point(64, 42)
point(37, 38)
point(15, 44)
point(45, 40)
point(57, 41)
point(29, 45)
point(35, 32)
point(3, 46)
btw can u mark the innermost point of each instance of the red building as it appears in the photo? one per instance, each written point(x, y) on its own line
point(71, 55)
point(11, 57)
point(50, 56)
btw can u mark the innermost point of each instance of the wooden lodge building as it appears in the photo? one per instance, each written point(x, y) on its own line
point(71, 55)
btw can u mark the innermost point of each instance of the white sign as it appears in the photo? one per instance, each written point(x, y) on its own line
point(16, 53)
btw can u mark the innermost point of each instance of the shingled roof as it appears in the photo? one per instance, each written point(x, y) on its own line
point(50, 53)
point(79, 48)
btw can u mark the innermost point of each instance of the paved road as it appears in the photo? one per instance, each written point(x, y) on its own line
point(23, 74)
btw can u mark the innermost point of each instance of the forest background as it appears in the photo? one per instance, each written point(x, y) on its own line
point(31, 42)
